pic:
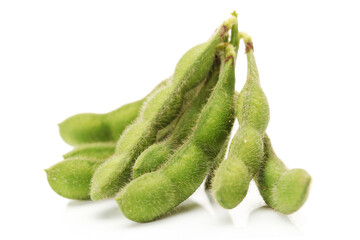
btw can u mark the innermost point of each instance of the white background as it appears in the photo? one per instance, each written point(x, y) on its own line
point(59, 58)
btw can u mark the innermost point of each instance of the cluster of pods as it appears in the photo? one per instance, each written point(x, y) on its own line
point(152, 154)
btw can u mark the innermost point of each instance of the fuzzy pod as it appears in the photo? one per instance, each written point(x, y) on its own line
point(71, 178)
point(85, 128)
point(233, 176)
point(154, 194)
point(282, 189)
point(158, 111)
point(221, 156)
point(92, 151)
point(156, 155)
point(235, 41)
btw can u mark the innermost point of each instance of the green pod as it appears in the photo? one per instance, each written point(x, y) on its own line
point(282, 189)
point(155, 194)
point(220, 157)
point(232, 178)
point(92, 151)
point(71, 178)
point(87, 128)
point(158, 111)
point(156, 155)
point(235, 41)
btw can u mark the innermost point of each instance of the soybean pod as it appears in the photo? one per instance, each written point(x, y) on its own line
point(71, 178)
point(234, 40)
point(155, 194)
point(85, 128)
point(232, 178)
point(220, 157)
point(282, 189)
point(159, 110)
point(156, 155)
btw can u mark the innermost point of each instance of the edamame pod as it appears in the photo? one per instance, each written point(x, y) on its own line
point(154, 194)
point(71, 178)
point(246, 152)
point(158, 111)
point(234, 40)
point(220, 157)
point(282, 189)
point(156, 155)
point(87, 128)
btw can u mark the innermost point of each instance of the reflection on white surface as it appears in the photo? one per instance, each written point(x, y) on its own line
point(199, 216)
point(218, 212)
point(265, 221)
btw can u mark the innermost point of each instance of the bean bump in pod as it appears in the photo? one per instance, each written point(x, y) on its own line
point(154, 194)
point(232, 178)
point(282, 189)
point(159, 110)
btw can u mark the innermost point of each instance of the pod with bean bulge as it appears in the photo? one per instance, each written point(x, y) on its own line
point(71, 178)
point(159, 110)
point(87, 128)
point(282, 189)
point(155, 194)
point(232, 178)
point(154, 156)
point(220, 157)
point(234, 40)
